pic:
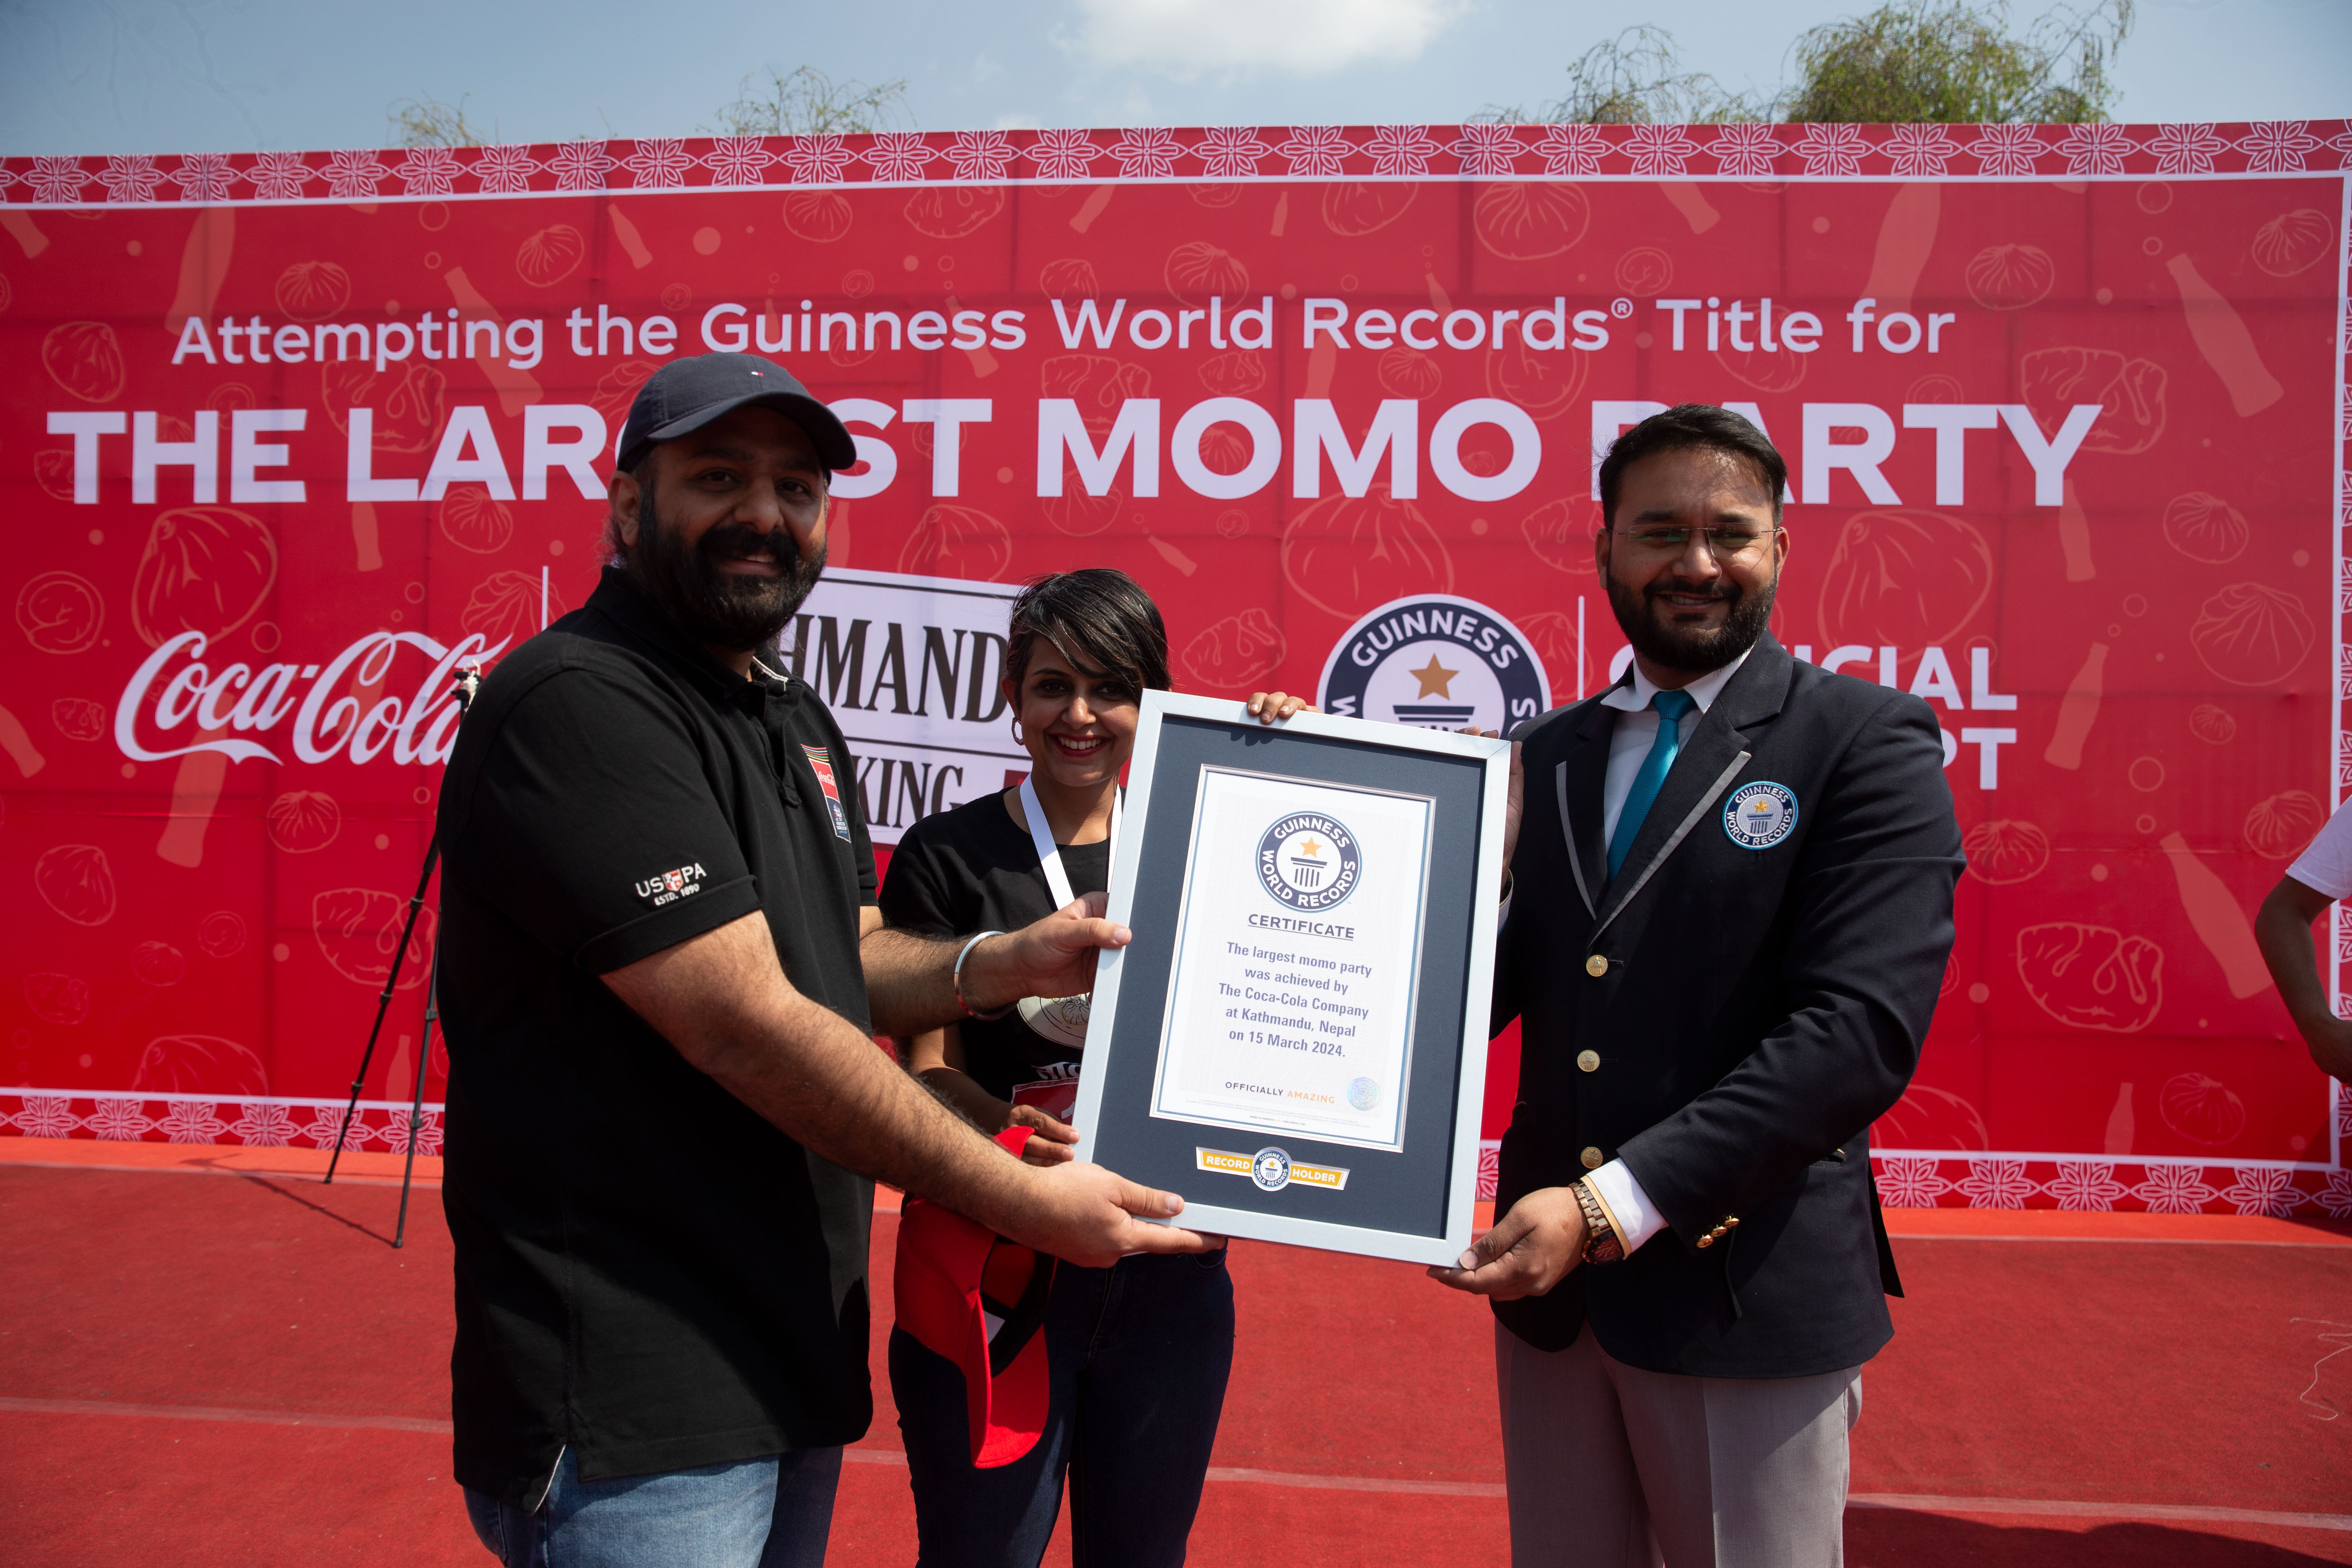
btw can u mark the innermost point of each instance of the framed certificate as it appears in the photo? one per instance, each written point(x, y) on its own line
point(1296, 1040)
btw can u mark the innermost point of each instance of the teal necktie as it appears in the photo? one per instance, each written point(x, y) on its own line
point(1671, 707)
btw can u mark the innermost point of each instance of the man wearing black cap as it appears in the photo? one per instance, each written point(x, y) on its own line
point(661, 966)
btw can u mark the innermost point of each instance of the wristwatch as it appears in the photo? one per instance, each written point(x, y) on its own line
point(1601, 1243)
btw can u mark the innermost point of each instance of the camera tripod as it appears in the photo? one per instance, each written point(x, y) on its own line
point(468, 684)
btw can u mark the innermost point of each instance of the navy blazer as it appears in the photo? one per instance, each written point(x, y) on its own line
point(1758, 1009)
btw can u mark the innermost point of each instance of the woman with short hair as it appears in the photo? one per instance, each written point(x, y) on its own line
point(1135, 1357)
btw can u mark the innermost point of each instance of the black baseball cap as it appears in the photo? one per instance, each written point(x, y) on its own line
point(685, 394)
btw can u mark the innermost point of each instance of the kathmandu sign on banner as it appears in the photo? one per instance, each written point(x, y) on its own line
point(290, 438)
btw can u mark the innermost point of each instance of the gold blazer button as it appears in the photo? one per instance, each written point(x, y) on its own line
point(1588, 1061)
point(1592, 1159)
point(1596, 966)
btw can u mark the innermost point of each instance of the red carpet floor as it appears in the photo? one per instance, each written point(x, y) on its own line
point(236, 1370)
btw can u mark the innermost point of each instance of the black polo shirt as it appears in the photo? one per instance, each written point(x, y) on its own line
point(646, 1270)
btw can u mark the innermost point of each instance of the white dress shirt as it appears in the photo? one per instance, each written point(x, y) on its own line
point(1637, 729)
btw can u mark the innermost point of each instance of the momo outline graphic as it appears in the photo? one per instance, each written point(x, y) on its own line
point(1308, 862)
point(1436, 661)
point(1759, 815)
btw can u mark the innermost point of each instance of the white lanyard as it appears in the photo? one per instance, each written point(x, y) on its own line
point(1049, 854)
point(1062, 1019)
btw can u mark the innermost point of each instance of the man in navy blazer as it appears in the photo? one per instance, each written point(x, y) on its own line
point(1731, 907)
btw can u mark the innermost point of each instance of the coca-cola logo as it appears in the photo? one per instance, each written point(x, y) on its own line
point(346, 707)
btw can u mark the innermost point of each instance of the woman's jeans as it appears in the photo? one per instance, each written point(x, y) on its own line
point(1139, 1355)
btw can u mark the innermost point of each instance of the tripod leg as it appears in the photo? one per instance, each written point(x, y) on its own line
point(416, 1106)
point(383, 1003)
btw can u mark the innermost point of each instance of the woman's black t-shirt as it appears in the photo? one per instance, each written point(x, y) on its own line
point(973, 869)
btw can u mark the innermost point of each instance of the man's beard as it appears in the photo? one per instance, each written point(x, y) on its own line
point(1695, 652)
point(717, 608)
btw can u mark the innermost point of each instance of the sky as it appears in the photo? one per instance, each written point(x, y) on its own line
point(94, 77)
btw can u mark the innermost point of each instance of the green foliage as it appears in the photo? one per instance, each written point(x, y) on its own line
point(807, 102)
point(1633, 80)
point(1908, 62)
point(429, 122)
point(1918, 61)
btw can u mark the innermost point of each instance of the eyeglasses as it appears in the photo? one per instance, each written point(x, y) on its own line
point(1724, 544)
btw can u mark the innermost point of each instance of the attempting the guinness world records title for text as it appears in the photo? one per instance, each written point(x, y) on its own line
point(1296, 1040)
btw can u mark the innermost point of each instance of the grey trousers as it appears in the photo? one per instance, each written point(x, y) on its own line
point(1611, 1467)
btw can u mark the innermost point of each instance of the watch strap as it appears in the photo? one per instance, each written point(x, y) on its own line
point(1601, 1241)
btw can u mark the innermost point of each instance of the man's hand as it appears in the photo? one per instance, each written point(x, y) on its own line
point(1511, 809)
point(2283, 929)
point(722, 999)
point(1052, 957)
point(1531, 1249)
point(1050, 1140)
point(2330, 1043)
point(1093, 1218)
point(1267, 707)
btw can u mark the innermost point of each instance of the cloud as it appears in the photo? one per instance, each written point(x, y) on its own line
point(1303, 38)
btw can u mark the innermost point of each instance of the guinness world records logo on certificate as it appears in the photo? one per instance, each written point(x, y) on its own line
point(1307, 861)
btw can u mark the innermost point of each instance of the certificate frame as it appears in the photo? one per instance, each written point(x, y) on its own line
point(1413, 1201)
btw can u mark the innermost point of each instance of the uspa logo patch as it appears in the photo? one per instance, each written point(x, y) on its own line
point(668, 887)
point(1760, 815)
point(1437, 662)
point(1308, 861)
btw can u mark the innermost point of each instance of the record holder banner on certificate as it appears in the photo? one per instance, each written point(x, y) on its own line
point(1291, 1006)
point(1296, 1038)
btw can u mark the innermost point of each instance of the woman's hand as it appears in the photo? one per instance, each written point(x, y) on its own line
point(1267, 707)
point(1049, 1141)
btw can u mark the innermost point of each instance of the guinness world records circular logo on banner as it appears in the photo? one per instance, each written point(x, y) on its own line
point(1436, 661)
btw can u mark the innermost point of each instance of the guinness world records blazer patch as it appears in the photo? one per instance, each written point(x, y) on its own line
point(1759, 815)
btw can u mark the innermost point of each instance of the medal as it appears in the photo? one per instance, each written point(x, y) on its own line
point(1061, 1019)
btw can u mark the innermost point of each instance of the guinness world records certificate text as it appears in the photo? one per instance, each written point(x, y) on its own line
point(1291, 1001)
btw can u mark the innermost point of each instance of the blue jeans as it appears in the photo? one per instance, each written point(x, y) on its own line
point(769, 1512)
point(1140, 1355)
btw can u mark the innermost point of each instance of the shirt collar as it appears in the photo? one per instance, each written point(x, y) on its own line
point(1633, 694)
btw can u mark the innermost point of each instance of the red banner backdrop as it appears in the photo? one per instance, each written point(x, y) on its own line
point(286, 436)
